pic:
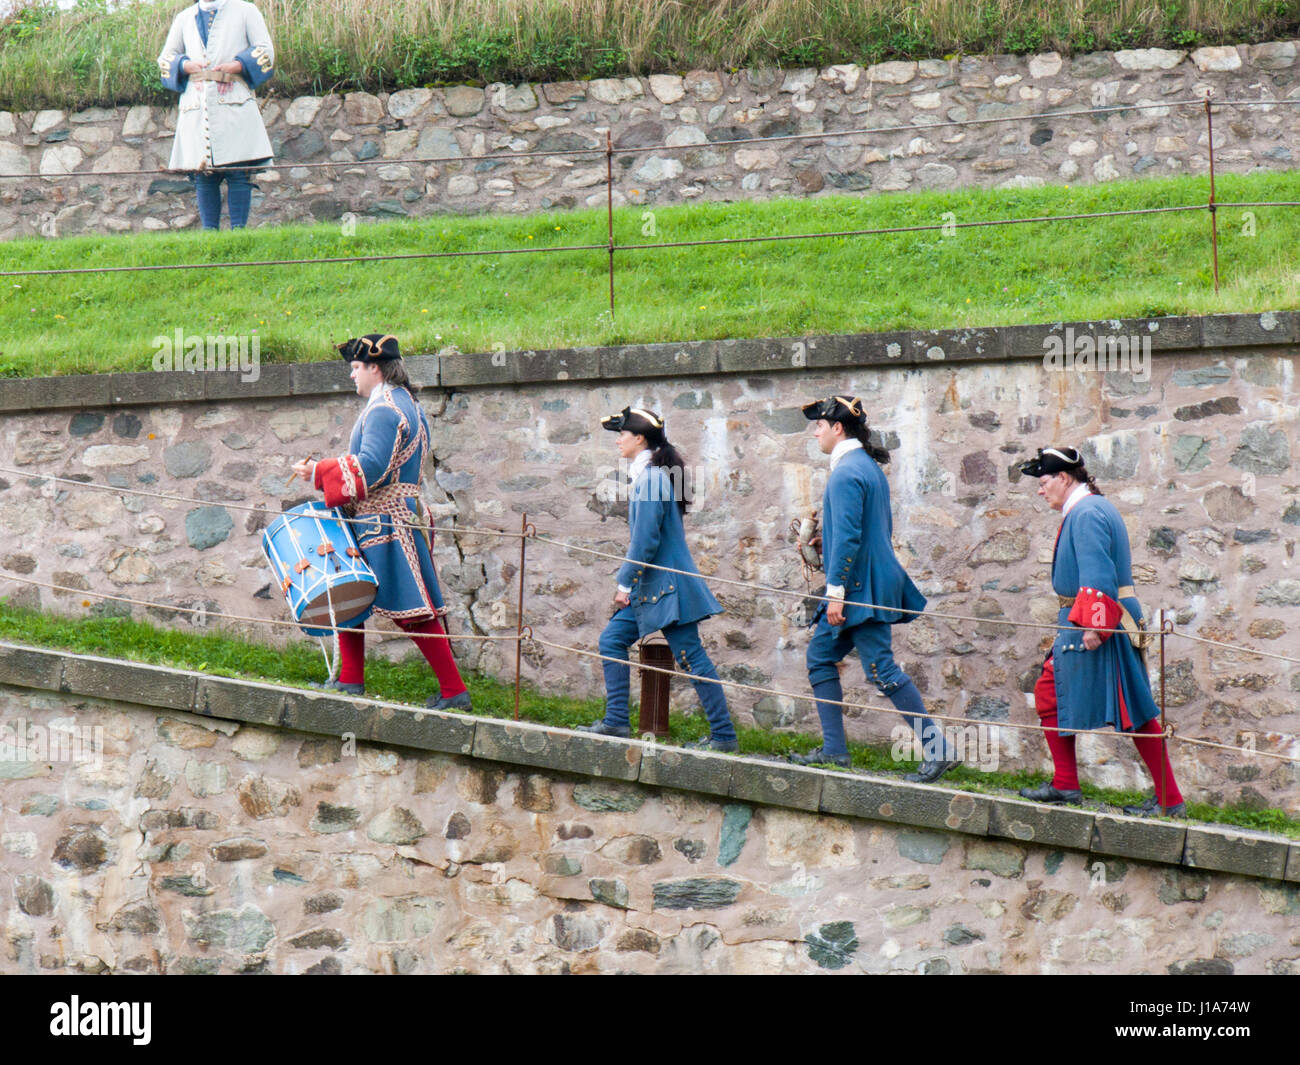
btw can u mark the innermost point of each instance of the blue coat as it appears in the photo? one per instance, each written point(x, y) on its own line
point(856, 549)
point(660, 598)
point(1092, 561)
point(408, 584)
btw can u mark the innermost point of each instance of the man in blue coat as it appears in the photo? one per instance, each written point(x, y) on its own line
point(865, 584)
point(652, 599)
point(1094, 678)
point(377, 483)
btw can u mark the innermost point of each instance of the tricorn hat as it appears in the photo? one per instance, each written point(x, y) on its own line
point(835, 409)
point(635, 420)
point(371, 348)
point(1052, 460)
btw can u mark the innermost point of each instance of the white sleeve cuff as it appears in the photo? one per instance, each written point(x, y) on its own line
point(835, 591)
point(624, 591)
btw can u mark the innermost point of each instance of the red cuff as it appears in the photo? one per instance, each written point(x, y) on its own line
point(1094, 609)
point(341, 480)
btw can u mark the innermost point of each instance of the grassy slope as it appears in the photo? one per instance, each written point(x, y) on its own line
point(1145, 265)
point(92, 56)
point(409, 682)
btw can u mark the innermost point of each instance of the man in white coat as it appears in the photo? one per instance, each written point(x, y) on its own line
point(217, 53)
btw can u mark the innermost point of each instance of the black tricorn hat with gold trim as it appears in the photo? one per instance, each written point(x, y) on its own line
point(371, 348)
point(834, 409)
point(635, 420)
point(1052, 460)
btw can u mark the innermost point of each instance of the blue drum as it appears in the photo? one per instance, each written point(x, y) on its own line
point(319, 568)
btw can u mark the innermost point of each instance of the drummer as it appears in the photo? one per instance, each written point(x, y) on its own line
point(378, 483)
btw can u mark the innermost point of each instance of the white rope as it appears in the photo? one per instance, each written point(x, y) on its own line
point(1168, 734)
point(748, 586)
point(788, 593)
point(1236, 647)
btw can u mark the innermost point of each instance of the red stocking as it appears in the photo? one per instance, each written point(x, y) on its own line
point(352, 656)
point(438, 654)
point(1151, 746)
point(1066, 777)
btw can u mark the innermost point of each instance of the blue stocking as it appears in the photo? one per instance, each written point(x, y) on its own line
point(827, 693)
point(207, 186)
point(239, 194)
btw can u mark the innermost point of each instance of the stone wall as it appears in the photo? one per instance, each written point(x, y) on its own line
point(265, 834)
point(1199, 457)
point(698, 116)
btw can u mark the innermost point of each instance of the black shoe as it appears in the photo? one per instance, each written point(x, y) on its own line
point(602, 729)
point(1047, 793)
point(710, 744)
point(456, 702)
point(338, 686)
point(929, 772)
point(1150, 808)
point(818, 756)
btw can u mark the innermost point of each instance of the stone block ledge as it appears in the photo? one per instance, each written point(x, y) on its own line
point(886, 799)
point(1206, 335)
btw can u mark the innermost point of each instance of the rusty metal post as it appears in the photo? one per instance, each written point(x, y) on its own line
point(519, 620)
point(1214, 216)
point(655, 686)
point(609, 205)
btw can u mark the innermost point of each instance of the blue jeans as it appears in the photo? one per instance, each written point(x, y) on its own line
point(873, 642)
point(689, 657)
point(207, 185)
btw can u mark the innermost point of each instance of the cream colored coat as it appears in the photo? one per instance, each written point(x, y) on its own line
point(215, 128)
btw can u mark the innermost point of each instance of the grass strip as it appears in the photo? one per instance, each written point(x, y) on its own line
point(1135, 266)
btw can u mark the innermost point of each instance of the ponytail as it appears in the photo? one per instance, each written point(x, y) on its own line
point(1084, 477)
point(395, 374)
point(669, 459)
point(861, 432)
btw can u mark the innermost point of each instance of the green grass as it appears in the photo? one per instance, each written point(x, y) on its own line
point(1147, 265)
point(92, 56)
point(102, 631)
